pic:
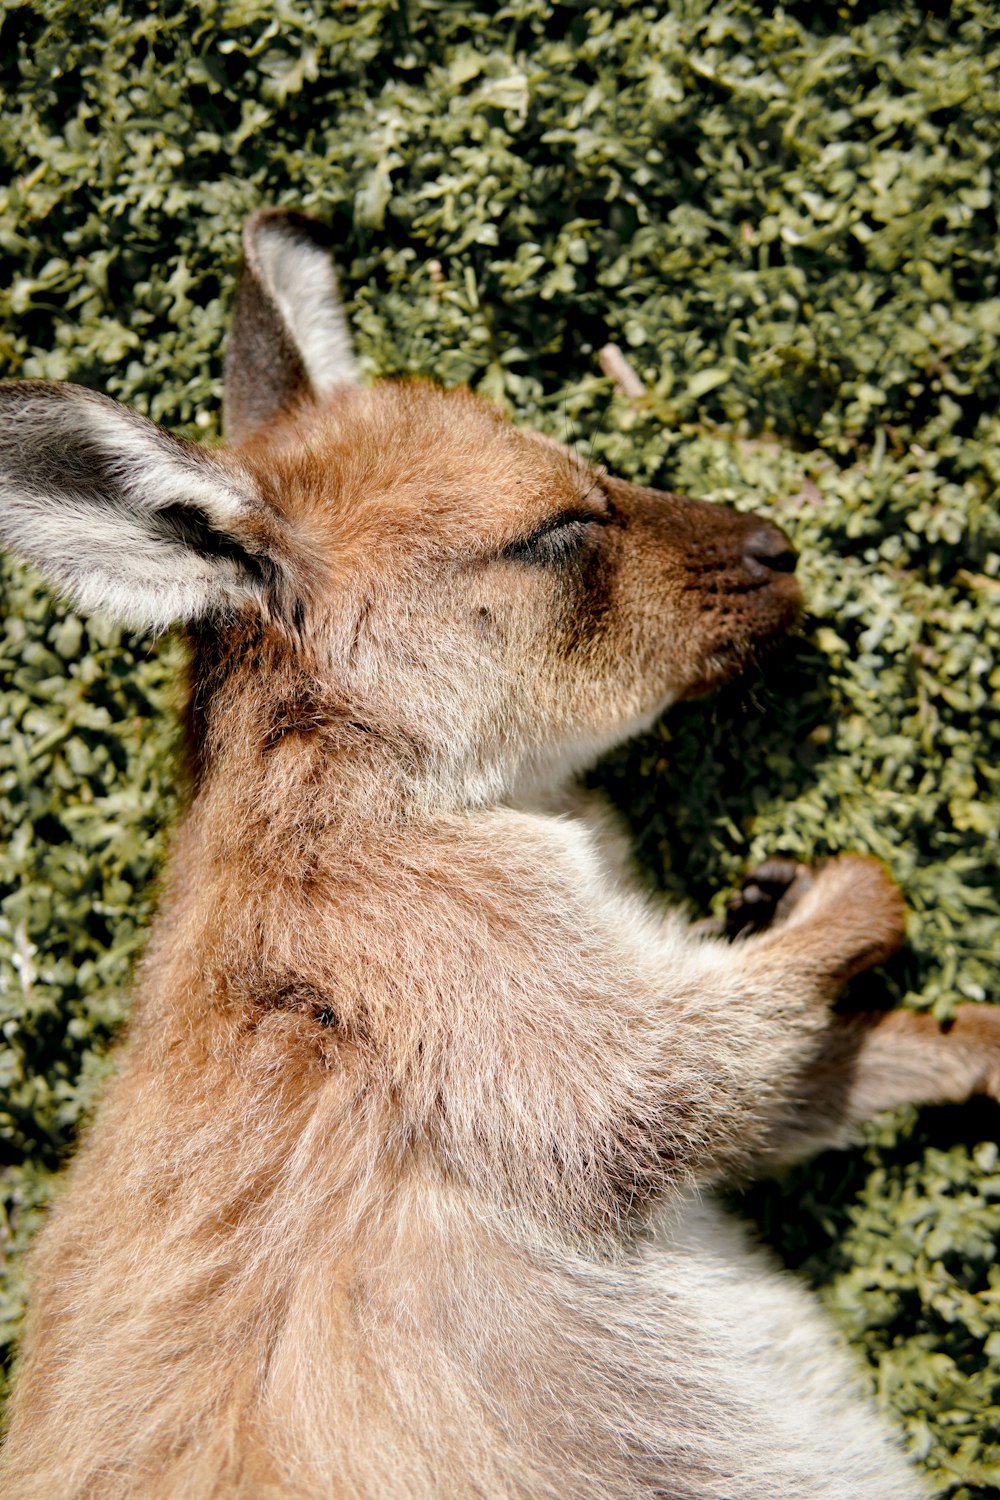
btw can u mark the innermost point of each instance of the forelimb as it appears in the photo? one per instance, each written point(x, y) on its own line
point(677, 1059)
point(862, 1062)
point(618, 1057)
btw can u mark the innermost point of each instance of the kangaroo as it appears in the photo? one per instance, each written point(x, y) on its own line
point(403, 1189)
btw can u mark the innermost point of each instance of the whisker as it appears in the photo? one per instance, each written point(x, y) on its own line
point(599, 428)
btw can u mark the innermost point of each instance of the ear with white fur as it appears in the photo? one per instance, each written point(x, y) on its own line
point(289, 337)
point(124, 517)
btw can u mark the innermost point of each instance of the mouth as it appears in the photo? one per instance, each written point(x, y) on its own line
point(729, 658)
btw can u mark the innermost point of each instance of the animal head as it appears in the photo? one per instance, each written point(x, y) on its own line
point(397, 569)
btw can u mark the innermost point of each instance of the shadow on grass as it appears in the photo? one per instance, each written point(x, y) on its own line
point(691, 790)
point(806, 1214)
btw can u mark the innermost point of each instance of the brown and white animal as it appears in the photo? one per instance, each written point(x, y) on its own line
point(402, 1189)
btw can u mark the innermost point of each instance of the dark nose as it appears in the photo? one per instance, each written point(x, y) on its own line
point(767, 548)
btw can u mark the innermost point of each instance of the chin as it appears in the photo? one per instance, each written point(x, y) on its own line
point(729, 661)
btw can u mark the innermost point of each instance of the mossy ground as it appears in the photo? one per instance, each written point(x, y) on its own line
point(788, 219)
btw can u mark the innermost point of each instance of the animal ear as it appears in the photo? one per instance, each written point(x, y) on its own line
point(124, 517)
point(289, 337)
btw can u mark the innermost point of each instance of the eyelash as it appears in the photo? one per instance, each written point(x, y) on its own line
point(555, 544)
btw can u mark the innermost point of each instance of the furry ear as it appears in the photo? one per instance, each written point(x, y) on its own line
point(289, 337)
point(124, 517)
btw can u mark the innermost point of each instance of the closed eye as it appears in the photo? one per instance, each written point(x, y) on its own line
point(556, 541)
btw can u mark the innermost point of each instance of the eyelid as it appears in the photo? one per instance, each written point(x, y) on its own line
point(543, 544)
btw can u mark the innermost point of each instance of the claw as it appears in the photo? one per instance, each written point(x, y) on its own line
point(767, 895)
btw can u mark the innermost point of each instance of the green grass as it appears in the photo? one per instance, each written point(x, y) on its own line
point(788, 219)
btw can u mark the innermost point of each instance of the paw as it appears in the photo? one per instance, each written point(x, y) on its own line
point(768, 895)
point(860, 907)
point(841, 915)
point(976, 1029)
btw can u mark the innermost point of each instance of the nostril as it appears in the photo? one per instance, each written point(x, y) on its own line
point(770, 548)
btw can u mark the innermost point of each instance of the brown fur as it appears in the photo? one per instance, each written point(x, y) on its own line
point(392, 1196)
